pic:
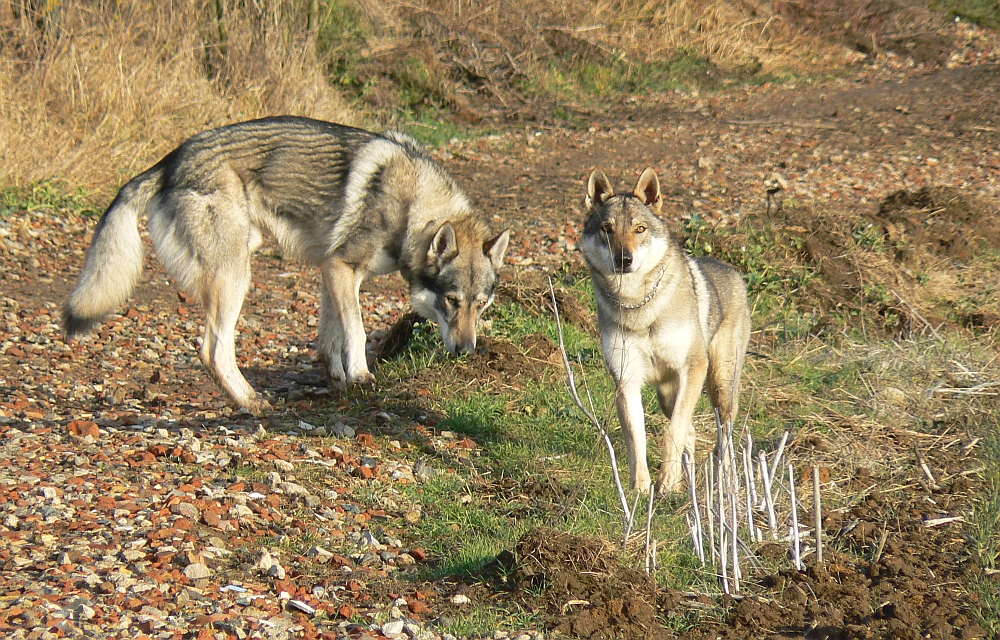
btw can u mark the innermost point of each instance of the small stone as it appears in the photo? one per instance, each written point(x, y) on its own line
point(422, 471)
point(460, 599)
point(276, 571)
point(283, 465)
point(705, 162)
point(197, 571)
point(211, 518)
point(368, 539)
point(302, 606)
point(393, 627)
point(341, 430)
point(187, 510)
point(319, 554)
point(84, 428)
point(83, 612)
point(293, 489)
point(265, 560)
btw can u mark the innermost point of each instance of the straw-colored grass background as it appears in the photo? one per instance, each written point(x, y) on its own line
point(93, 92)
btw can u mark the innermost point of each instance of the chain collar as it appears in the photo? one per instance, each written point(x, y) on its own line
point(645, 301)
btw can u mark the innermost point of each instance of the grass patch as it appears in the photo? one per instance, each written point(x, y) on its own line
point(45, 197)
point(984, 527)
point(981, 12)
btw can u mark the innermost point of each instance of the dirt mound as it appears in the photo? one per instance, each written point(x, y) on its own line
point(905, 264)
point(397, 337)
point(587, 592)
point(903, 593)
point(934, 223)
point(500, 360)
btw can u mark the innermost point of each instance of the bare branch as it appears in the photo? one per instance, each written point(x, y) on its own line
point(571, 383)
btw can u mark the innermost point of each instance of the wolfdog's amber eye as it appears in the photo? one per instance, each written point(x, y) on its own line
point(451, 300)
point(607, 227)
point(640, 229)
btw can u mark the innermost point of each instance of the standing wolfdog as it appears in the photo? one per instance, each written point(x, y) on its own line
point(353, 202)
point(667, 319)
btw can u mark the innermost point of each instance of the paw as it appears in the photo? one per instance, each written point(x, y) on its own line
point(669, 478)
point(641, 483)
point(258, 407)
point(363, 377)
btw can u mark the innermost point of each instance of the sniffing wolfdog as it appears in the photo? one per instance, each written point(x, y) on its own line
point(353, 202)
point(667, 319)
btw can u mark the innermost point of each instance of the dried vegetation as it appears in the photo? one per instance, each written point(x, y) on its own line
point(104, 88)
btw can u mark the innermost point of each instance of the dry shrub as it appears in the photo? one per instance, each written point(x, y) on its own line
point(107, 88)
point(497, 39)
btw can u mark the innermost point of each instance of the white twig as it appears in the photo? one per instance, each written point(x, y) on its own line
point(748, 475)
point(924, 467)
point(772, 520)
point(723, 555)
point(748, 454)
point(709, 507)
point(735, 541)
point(817, 516)
point(772, 474)
point(699, 545)
point(795, 517)
point(649, 526)
point(631, 521)
point(571, 383)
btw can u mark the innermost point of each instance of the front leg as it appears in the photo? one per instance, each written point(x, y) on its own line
point(628, 369)
point(342, 333)
point(679, 435)
point(633, 420)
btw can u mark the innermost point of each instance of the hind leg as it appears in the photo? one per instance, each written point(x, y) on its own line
point(727, 353)
point(222, 296)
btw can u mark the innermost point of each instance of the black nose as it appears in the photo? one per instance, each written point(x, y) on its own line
point(623, 261)
point(464, 346)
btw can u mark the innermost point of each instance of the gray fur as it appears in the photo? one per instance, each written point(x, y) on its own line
point(666, 319)
point(352, 202)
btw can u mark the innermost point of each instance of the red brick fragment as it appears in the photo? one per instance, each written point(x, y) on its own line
point(83, 428)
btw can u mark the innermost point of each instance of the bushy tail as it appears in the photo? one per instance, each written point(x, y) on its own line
point(114, 260)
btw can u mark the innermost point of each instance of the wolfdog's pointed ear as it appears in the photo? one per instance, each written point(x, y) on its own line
point(495, 249)
point(443, 247)
point(598, 189)
point(647, 189)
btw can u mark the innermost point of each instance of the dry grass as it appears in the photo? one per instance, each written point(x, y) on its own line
point(93, 92)
point(120, 85)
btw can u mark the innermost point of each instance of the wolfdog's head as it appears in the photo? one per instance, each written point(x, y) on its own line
point(458, 281)
point(623, 233)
